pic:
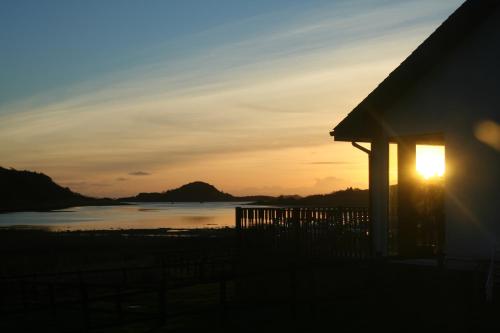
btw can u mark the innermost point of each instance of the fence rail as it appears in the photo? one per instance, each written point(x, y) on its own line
point(75, 302)
point(337, 231)
point(82, 301)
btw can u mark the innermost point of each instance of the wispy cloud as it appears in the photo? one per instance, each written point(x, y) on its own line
point(259, 90)
point(139, 173)
point(329, 163)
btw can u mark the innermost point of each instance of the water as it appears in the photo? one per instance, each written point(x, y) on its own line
point(136, 216)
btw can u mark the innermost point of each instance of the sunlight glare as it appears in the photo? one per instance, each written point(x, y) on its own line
point(430, 161)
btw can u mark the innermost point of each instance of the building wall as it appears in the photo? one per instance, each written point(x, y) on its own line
point(460, 92)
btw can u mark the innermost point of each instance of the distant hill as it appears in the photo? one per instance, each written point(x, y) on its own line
point(32, 191)
point(192, 192)
point(203, 192)
point(348, 198)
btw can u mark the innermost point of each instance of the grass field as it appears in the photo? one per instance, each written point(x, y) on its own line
point(263, 293)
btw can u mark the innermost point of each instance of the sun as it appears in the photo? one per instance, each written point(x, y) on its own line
point(430, 161)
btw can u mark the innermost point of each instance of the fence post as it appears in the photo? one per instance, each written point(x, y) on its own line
point(118, 302)
point(297, 230)
point(313, 302)
point(223, 301)
point(293, 291)
point(23, 293)
point(84, 298)
point(124, 276)
point(2, 297)
point(162, 297)
point(52, 302)
point(238, 219)
point(201, 269)
point(369, 224)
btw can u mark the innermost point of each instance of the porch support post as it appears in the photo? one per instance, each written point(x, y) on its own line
point(407, 215)
point(379, 194)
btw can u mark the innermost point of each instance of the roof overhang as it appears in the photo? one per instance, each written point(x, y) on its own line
point(366, 121)
point(358, 126)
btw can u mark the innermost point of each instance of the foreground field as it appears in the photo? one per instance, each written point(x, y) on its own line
point(38, 251)
point(171, 281)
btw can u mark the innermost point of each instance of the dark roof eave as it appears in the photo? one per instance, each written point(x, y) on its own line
point(427, 55)
point(350, 138)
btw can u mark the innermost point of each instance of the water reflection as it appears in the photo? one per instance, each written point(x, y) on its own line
point(135, 216)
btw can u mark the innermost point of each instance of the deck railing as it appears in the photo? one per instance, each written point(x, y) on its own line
point(337, 231)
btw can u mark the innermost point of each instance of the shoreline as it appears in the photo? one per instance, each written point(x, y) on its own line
point(28, 251)
point(55, 209)
point(144, 232)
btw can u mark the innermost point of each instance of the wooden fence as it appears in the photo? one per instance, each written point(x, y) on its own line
point(84, 301)
point(102, 300)
point(338, 231)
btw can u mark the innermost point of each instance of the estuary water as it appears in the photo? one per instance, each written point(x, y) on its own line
point(183, 215)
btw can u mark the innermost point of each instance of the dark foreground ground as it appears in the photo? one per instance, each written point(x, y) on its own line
point(26, 251)
point(146, 281)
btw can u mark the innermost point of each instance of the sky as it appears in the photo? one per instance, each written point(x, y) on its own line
point(112, 98)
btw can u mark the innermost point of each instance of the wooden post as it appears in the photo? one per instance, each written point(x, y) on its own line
point(223, 301)
point(407, 222)
point(36, 289)
point(52, 302)
point(162, 298)
point(379, 189)
point(369, 237)
point(2, 297)
point(296, 230)
point(23, 294)
point(201, 269)
point(239, 231)
point(313, 292)
point(371, 230)
point(293, 291)
point(118, 302)
point(84, 299)
point(238, 219)
point(124, 276)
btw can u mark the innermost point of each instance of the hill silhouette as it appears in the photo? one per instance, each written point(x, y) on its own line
point(33, 191)
point(27, 190)
point(193, 192)
point(350, 197)
point(203, 192)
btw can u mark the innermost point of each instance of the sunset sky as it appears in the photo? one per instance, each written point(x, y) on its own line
point(112, 98)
